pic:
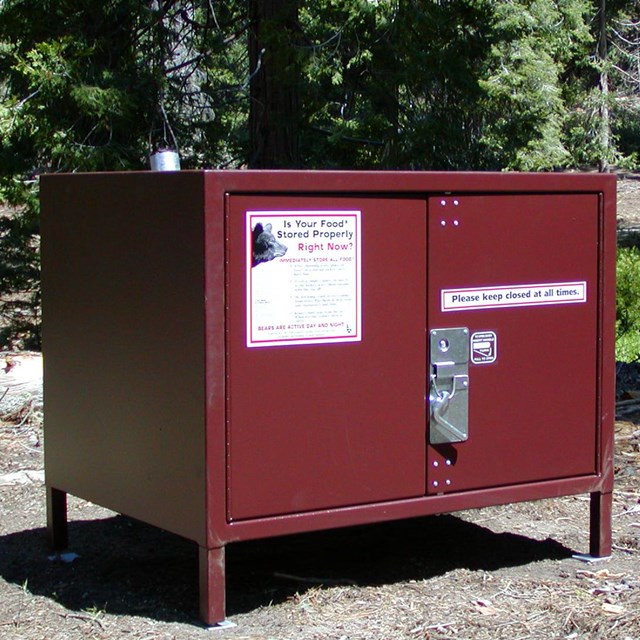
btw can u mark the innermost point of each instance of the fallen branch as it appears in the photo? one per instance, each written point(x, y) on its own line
point(312, 580)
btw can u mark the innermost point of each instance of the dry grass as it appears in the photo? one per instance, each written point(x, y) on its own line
point(501, 572)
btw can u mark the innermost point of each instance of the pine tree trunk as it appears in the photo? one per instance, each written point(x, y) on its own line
point(605, 123)
point(384, 93)
point(274, 111)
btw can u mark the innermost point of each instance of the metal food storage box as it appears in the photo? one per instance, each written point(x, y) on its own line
point(233, 355)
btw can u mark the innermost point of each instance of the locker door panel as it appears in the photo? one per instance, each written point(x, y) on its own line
point(317, 426)
point(528, 268)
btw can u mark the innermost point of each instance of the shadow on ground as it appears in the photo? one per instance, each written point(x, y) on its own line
point(127, 567)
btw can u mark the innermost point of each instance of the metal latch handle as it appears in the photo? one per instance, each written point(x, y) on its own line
point(440, 404)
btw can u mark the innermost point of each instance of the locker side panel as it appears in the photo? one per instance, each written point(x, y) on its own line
point(122, 263)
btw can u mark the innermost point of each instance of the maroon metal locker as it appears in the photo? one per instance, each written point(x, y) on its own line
point(323, 349)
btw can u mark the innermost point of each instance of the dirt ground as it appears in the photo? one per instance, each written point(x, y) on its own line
point(629, 202)
point(500, 572)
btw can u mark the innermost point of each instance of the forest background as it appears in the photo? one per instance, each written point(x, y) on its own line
point(97, 85)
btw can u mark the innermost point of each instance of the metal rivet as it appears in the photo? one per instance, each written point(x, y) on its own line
point(435, 483)
point(456, 202)
point(456, 223)
point(443, 203)
point(435, 463)
point(443, 223)
point(448, 463)
point(447, 482)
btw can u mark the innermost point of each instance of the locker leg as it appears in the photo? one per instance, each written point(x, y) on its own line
point(212, 585)
point(57, 528)
point(600, 524)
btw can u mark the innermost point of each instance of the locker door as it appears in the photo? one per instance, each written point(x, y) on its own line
point(334, 422)
point(520, 273)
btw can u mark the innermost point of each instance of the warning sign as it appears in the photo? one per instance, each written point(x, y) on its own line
point(484, 347)
point(524, 295)
point(303, 277)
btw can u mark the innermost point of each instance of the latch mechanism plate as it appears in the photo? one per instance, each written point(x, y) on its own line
point(449, 385)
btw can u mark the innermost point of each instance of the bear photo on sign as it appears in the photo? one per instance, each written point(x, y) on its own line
point(265, 247)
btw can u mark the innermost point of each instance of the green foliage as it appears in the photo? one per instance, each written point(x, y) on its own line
point(89, 85)
point(628, 305)
point(95, 86)
point(625, 73)
point(534, 45)
point(427, 85)
point(19, 276)
point(59, 111)
point(433, 85)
